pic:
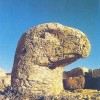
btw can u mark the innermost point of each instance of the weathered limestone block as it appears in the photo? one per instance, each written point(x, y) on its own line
point(41, 54)
point(75, 79)
point(74, 82)
point(5, 80)
point(76, 72)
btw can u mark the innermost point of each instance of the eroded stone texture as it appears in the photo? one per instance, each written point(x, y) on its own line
point(75, 79)
point(41, 54)
point(5, 80)
point(76, 72)
point(71, 83)
point(81, 77)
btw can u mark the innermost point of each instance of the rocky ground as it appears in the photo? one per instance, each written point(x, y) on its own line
point(74, 93)
point(78, 94)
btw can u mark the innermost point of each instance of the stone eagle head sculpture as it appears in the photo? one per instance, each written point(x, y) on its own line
point(41, 54)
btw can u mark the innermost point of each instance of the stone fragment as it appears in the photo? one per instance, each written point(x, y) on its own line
point(76, 72)
point(5, 80)
point(91, 78)
point(2, 73)
point(71, 83)
point(75, 79)
point(41, 54)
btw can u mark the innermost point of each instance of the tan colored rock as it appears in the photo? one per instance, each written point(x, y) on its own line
point(75, 79)
point(2, 73)
point(85, 70)
point(5, 80)
point(77, 72)
point(41, 54)
point(74, 82)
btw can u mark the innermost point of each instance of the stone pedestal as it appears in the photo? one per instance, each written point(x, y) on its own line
point(40, 80)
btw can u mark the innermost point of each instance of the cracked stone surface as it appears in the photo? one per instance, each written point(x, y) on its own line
point(41, 54)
